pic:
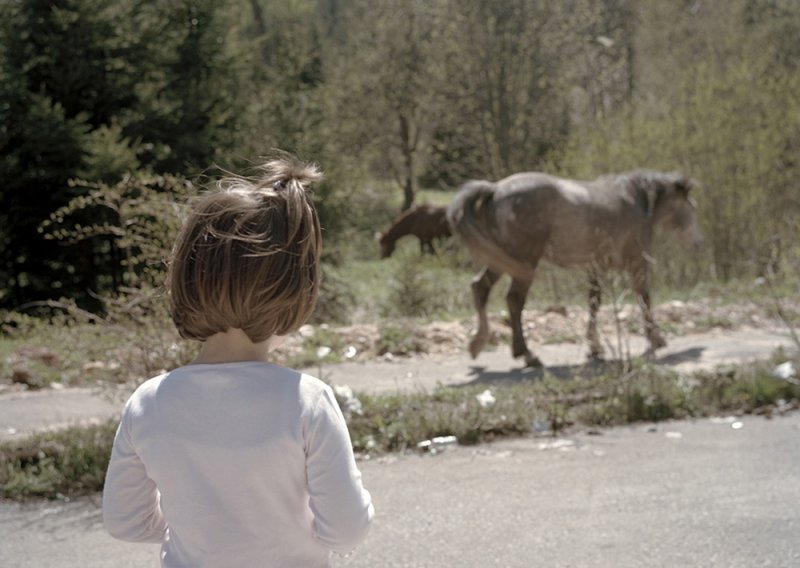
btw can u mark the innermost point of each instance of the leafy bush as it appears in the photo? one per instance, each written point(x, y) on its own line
point(425, 286)
point(131, 224)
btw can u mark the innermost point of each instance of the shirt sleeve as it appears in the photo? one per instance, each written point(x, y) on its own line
point(341, 506)
point(131, 501)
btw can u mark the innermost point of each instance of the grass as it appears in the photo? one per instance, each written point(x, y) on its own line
point(56, 465)
point(72, 462)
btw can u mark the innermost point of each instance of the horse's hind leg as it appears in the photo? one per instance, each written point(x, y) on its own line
point(595, 348)
point(516, 302)
point(481, 286)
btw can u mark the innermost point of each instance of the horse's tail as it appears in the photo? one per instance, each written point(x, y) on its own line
point(468, 215)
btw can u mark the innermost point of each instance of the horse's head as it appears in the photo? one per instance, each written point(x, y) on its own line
point(387, 244)
point(678, 211)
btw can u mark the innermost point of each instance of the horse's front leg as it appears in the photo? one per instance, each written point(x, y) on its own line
point(595, 348)
point(481, 286)
point(640, 287)
point(516, 302)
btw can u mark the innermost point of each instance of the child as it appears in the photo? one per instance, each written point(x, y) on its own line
point(232, 461)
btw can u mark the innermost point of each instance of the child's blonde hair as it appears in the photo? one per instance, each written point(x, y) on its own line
point(248, 256)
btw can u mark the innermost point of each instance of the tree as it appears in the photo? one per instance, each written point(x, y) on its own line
point(96, 88)
point(718, 107)
point(385, 84)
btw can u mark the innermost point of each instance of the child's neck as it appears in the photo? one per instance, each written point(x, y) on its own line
point(234, 345)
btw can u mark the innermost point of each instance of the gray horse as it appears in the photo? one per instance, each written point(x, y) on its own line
point(510, 225)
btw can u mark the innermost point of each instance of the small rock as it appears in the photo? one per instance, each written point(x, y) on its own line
point(486, 399)
point(786, 371)
point(561, 445)
point(436, 444)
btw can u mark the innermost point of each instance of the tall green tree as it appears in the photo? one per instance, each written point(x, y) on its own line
point(93, 89)
point(55, 61)
point(192, 61)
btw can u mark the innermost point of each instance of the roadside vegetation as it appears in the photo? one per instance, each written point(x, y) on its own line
point(72, 462)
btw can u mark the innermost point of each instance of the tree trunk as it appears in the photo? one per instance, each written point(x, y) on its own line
point(408, 148)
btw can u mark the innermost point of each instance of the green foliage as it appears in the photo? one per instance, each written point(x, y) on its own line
point(64, 72)
point(133, 222)
point(132, 341)
point(336, 298)
point(425, 286)
point(745, 165)
point(66, 463)
point(321, 348)
point(193, 63)
point(398, 338)
point(73, 461)
point(109, 155)
point(99, 90)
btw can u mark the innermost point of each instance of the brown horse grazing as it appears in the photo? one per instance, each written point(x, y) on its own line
point(604, 224)
point(424, 221)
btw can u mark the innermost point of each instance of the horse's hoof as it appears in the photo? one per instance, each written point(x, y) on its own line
point(595, 356)
point(475, 347)
point(657, 341)
point(533, 361)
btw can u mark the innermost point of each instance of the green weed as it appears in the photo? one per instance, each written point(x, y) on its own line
point(56, 464)
point(399, 338)
point(73, 461)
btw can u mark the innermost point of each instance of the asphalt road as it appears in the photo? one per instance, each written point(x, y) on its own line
point(706, 494)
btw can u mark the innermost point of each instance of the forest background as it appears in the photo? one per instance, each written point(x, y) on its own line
point(112, 113)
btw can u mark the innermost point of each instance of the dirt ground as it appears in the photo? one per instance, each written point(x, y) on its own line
point(556, 324)
point(362, 343)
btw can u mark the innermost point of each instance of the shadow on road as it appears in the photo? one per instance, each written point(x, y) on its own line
point(480, 375)
point(690, 354)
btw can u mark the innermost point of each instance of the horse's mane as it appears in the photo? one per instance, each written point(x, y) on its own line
point(647, 187)
point(642, 177)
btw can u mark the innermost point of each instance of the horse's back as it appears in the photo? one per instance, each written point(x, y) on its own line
point(571, 222)
point(541, 187)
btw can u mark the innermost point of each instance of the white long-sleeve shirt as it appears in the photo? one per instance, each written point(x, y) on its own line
point(230, 465)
